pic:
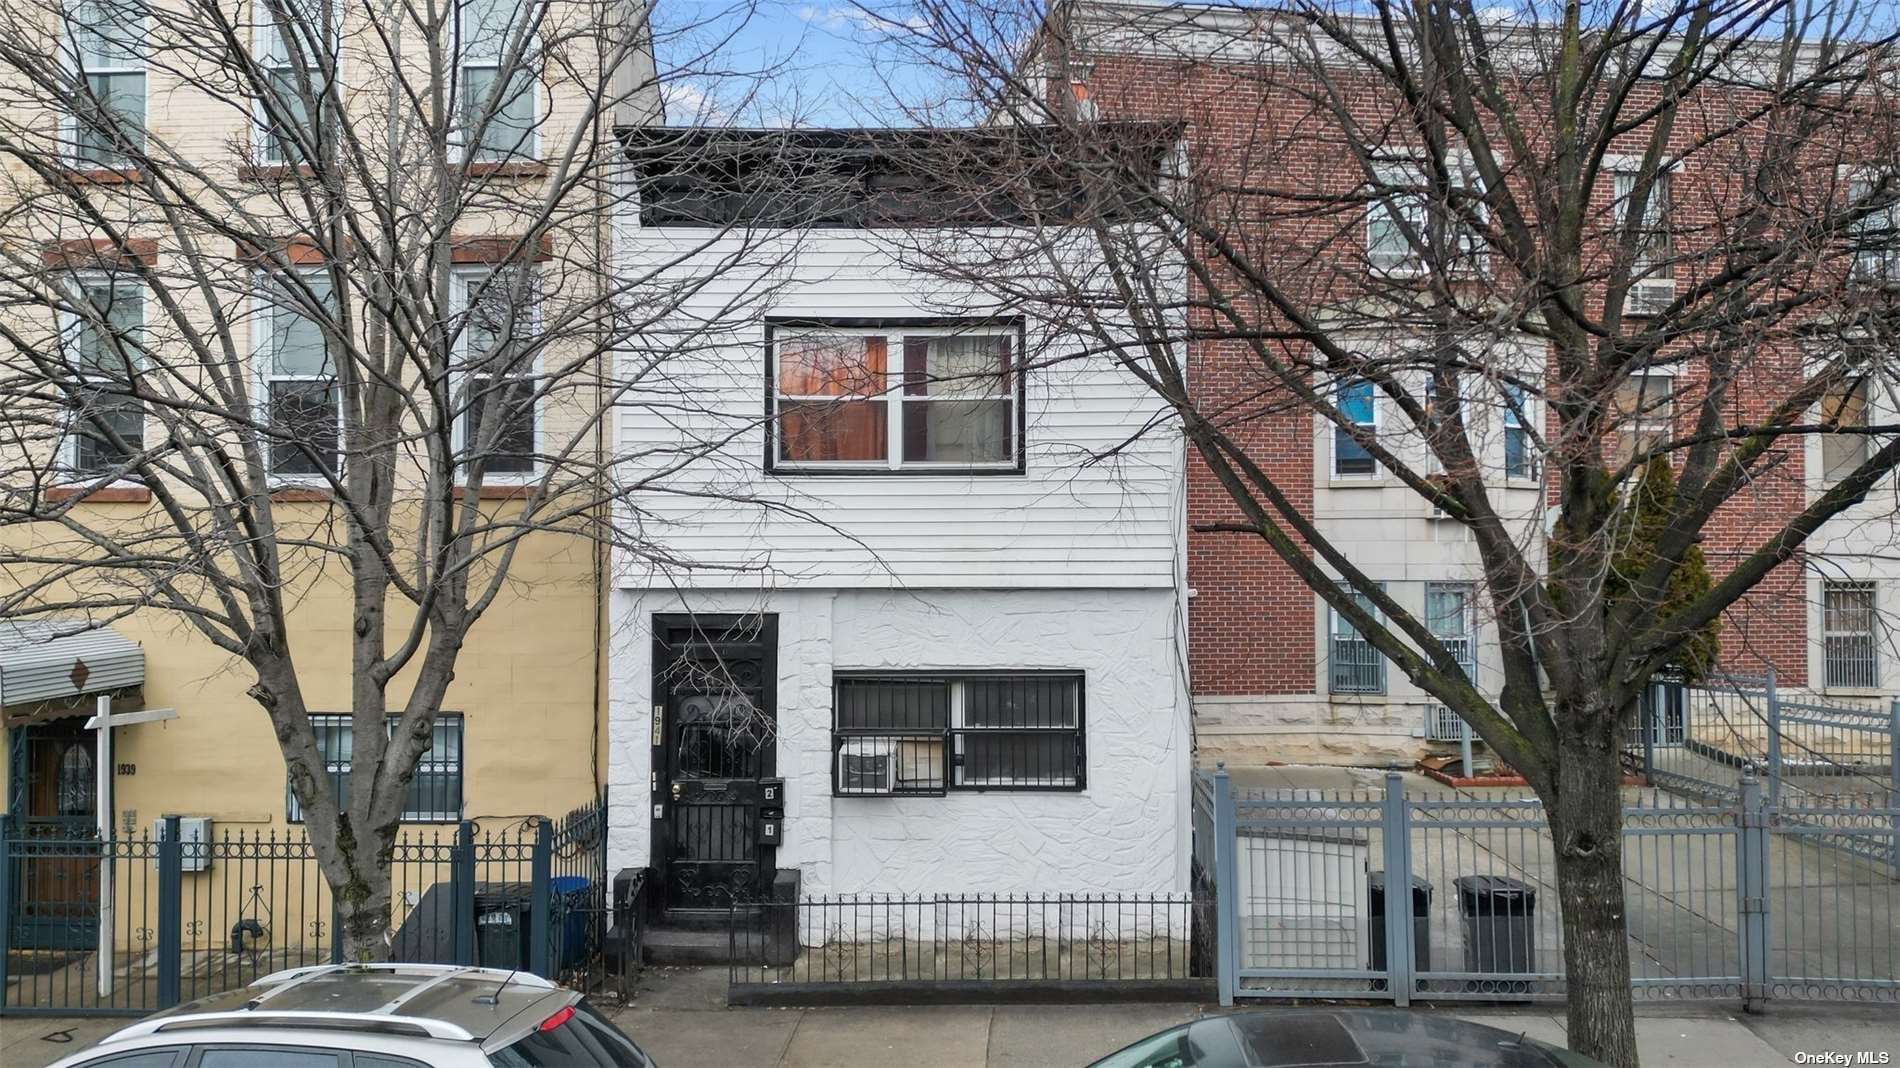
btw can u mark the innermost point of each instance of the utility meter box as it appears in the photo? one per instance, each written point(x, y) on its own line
point(195, 834)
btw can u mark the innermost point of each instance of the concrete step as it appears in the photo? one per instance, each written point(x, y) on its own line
point(671, 945)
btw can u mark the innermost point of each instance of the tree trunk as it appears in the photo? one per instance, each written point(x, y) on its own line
point(1587, 828)
point(363, 901)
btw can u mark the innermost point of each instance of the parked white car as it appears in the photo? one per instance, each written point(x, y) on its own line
point(375, 1016)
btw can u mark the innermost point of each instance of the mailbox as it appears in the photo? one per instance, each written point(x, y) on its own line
point(769, 831)
point(772, 793)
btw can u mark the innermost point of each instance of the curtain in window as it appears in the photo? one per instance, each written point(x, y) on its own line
point(957, 399)
point(831, 404)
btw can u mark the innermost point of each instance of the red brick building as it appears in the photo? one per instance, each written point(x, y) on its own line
point(1274, 675)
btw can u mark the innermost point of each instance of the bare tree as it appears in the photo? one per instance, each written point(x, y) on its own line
point(330, 292)
point(1549, 244)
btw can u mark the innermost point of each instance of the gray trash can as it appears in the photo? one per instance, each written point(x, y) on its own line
point(1421, 924)
point(1500, 916)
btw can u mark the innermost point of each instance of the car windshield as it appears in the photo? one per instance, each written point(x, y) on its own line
point(577, 1036)
point(1206, 1044)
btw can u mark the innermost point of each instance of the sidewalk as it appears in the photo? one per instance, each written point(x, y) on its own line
point(680, 1018)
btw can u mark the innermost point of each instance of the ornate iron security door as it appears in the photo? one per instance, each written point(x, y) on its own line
point(716, 739)
point(54, 859)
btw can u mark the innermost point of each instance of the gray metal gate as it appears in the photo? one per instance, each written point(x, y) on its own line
point(1742, 900)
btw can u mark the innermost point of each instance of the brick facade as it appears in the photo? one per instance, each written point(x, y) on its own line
point(1253, 623)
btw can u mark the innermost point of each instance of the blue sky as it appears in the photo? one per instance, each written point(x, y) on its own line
point(783, 62)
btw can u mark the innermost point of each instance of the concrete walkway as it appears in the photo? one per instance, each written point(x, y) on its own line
point(679, 1015)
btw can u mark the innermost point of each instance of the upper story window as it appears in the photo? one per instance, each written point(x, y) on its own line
point(105, 335)
point(1357, 402)
point(495, 47)
point(1404, 221)
point(1520, 456)
point(1844, 411)
point(302, 402)
point(1645, 413)
point(1652, 272)
point(107, 40)
point(498, 369)
point(1875, 237)
point(297, 44)
point(954, 403)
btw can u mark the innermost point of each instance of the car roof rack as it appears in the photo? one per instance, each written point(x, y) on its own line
point(353, 1021)
point(310, 971)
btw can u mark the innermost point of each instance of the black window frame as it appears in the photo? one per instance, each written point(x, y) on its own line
point(292, 810)
point(1018, 464)
point(952, 735)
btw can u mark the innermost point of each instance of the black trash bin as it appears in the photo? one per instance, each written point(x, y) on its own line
point(1500, 916)
point(1421, 924)
point(501, 925)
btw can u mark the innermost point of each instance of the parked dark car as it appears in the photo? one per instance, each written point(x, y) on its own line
point(1315, 1038)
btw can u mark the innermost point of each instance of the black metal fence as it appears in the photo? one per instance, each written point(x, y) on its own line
point(971, 947)
point(140, 923)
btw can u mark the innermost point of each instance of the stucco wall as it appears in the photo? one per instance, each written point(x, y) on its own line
point(1127, 831)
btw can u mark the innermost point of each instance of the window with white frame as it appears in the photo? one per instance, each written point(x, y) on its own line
point(297, 44)
point(1356, 666)
point(1449, 616)
point(1652, 272)
point(1844, 413)
point(1850, 634)
point(303, 405)
point(1645, 413)
point(498, 422)
point(954, 405)
point(104, 335)
point(1358, 404)
point(929, 733)
point(434, 795)
point(1876, 236)
point(1520, 451)
point(1406, 220)
point(107, 46)
point(495, 45)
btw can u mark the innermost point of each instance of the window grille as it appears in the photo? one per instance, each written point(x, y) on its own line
point(913, 734)
point(1850, 636)
point(434, 795)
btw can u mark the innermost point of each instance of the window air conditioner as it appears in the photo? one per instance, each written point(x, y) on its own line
point(1444, 725)
point(867, 767)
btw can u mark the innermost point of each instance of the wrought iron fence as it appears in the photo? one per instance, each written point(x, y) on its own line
point(978, 945)
point(1741, 900)
point(140, 923)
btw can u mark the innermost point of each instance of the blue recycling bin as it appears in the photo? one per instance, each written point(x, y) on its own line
point(568, 917)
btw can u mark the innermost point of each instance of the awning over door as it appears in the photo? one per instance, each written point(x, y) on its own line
point(57, 660)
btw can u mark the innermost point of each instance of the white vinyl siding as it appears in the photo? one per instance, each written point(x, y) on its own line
point(1069, 518)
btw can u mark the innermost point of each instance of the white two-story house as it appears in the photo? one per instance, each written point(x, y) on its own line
point(908, 615)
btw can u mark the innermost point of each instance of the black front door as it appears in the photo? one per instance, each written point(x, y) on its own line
point(717, 737)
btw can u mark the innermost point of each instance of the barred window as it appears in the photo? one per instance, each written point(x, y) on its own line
point(1849, 635)
point(928, 734)
point(435, 794)
point(1357, 667)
